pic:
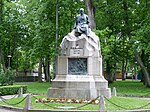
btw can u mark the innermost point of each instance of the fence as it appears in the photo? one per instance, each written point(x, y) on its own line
point(28, 104)
point(26, 78)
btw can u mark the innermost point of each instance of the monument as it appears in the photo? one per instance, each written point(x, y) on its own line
point(79, 65)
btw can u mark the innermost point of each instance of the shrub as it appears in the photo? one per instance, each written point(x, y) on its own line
point(7, 77)
point(11, 90)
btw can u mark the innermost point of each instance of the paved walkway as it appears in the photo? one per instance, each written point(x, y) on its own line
point(3, 110)
point(144, 98)
point(6, 110)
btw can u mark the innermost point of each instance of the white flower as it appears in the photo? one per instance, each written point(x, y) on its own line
point(77, 101)
point(36, 100)
point(57, 100)
point(89, 101)
point(69, 101)
point(85, 101)
point(52, 101)
point(96, 101)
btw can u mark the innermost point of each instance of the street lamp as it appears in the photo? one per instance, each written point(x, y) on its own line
point(56, 40)
point(9, 60)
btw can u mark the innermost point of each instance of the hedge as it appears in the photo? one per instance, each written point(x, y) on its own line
point(11, 90)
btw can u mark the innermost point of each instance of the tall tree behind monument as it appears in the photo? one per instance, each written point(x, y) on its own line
point(1, 53)
point(91, 13)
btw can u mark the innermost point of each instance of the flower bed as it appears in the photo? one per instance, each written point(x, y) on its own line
point(65, 100)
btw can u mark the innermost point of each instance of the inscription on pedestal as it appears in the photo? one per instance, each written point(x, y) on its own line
point(76, 52)
point(77, 66)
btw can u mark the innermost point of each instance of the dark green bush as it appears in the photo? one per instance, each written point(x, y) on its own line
point(7, 77)
point(11, 90)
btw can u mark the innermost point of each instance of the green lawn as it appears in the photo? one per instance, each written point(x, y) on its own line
point(131, 88)
point(124, 88)
point(128, 103)
point(36, 87)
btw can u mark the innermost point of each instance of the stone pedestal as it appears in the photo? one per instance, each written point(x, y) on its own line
point(79, 69)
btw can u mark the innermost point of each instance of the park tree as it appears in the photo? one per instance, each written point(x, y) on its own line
point(2, 63)
point(9, 39)
point(40, 23)
point(93, 9)
point(10, 32)
point(42, 30)
point(106, 12)
point(116, 20)
point(91, 13)
point(140, 39)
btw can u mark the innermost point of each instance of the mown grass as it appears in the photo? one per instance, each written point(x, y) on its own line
point(131, 88)
point(127, 103)
point(36, 87)
point(124, 88)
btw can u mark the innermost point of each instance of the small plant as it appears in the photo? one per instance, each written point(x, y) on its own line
point(7, 77)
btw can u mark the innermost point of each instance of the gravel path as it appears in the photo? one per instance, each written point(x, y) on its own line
point(6, 110)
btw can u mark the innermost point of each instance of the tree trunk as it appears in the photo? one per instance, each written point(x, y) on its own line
point(17, 64)
point(123, 70)
point(47, 75)
point(144, 69)
point(44, 68)
point(40, 71)
point(135, 72)
point(109, 74)
point(2, 60)
point(91, 13)
point(55, 68)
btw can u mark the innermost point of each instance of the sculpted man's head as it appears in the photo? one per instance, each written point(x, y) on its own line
point(81, 11)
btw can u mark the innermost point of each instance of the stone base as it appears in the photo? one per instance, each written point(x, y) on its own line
point(76, 93)
point(79, 87)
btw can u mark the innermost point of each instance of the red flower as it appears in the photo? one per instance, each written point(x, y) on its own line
point(54, 99)
point(67, 99)
point(40, 100)
point(93, 101)
point(73, 100)
point(80, 101)
point(60, 99)
point(48, 98)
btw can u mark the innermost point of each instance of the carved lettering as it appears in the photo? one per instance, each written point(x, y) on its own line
point(76, 52)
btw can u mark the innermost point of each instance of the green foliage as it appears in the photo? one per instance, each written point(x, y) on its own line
point(28, 30)
point(128, 22)
point(107, 42)
point(7, 77)
point(11, 90)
